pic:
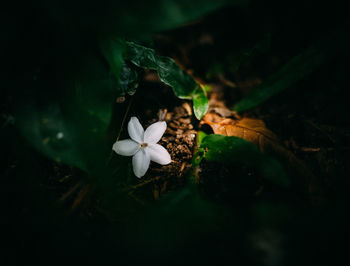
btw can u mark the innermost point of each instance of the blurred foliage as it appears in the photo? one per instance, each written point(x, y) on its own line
point(295, 69)
point(237, 57)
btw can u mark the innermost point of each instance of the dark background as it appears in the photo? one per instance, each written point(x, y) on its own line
point(46, 41)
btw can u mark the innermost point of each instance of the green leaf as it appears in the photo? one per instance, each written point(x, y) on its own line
point(128, 80)
point(184, 86)
point(169, 72)
point(224, 149)
point(126, 75)
point(200, 136)
point(200, 103)
point(296, 69)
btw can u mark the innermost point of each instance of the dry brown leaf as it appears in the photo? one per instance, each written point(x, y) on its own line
point(255, 131)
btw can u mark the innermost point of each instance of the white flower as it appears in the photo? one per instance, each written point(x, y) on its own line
point(143, 146)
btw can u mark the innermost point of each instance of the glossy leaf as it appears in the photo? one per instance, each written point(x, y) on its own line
point(128, 80)
point(184, 86)
point(169, 72)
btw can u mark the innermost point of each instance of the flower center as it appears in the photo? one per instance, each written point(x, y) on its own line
point(144, 145)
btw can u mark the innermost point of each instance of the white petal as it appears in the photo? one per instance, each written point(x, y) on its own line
point(135, 130)
point(158, 154)
point(154, 132)
point(126, 147)
point(140, 162)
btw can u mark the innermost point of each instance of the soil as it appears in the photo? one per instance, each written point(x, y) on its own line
point(179, 140)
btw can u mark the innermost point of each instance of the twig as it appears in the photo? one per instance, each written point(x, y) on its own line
point(121, 128)
point(124, 118)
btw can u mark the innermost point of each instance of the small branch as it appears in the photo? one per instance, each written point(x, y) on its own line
point(124, 118)
point(121, 129)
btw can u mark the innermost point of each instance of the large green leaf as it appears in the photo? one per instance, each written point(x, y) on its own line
point(184, 86)
point(67, 120)
point(224, 149)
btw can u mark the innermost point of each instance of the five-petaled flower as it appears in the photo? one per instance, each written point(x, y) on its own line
point(143, 146)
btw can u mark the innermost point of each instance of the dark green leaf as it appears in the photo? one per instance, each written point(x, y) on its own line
point(223, 149)
point(128, 80)
point(168, 71)
point(184, 86)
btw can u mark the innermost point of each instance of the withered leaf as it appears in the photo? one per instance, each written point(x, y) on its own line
point(256, 132)
point(253, 130)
